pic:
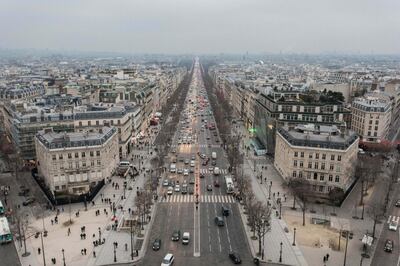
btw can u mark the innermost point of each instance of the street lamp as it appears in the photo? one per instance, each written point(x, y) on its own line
point(294, 237)
point(280, 209)
point(131, 225)
point(269, 190)
point(115, 253)
point(63, 256)
point(280, 253)
point(99, 236)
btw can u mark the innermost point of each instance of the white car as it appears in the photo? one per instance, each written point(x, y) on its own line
point(168, 260)
point(170, 190)
point(177, 188)
point(185, 238)
point(185, 172)
point(393, 225)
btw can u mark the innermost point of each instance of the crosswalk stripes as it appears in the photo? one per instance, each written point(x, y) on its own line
point(393, 219)
point(207, 171)
point(196, 145)
point(202, 198)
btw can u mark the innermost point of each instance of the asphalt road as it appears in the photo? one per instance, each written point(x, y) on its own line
point(381, 257)
point(209, 244)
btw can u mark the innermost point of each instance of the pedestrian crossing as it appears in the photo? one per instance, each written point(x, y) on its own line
point(207, 171)
point(202, 198)
point(392, 218)
point(197, 145)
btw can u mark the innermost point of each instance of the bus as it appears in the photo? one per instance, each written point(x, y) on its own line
point(229, 184)
point(2, 210)
point(5, 233)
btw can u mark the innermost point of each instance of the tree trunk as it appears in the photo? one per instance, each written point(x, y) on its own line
point(373, 229)
point(304, 215)
point(294, 202)
point(259, 244)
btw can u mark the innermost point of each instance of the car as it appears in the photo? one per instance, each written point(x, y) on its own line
point(185, 172)
point(184, 190)
point(185, 238)
point(177, 188)
point(192, 163)
point(190, 190)
point(393, 225)
point(204, 163)
point(192, 180)
point(193, 157)
point(202, 156)
point(219, 221)
point(176, 235)
point(208, 137)
point(235, 258)
point(216, 183)
point(225, 211)
point(201, 175)
point(388, 245)
point(397, 203)
point(213, 162)
point(217, 140)
point(191, 170)
point(173, 151)
point(157, 244)
point(210, 168)
point(186, 161)
point(209, 188)
point(23, 192)
point(28, 201)
point(168, 260)
point(180, 170)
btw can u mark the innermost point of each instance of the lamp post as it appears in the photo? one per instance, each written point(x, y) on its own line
point(269, 190)
point(44, 258)
point(63, 256)
point(131, 228)
point(115, 253)
point(99, 236)
point(280, 253)
point(294, 237)
point(280, 209)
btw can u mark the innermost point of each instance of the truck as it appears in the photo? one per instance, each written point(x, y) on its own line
point(214, 155)
point(172, 168)
point(229, 184)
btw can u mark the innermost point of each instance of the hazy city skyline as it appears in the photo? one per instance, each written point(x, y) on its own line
point(206, 26)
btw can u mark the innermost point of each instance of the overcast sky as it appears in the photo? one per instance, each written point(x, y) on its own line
point(202, 26)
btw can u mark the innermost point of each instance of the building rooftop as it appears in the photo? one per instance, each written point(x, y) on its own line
point(59, 140)
point(310, 135)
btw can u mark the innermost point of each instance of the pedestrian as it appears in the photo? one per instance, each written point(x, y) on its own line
point(84, 251)
point(38, 251)
point(94, 235)
point(52, 222)
point(94, 254)
point(126, 247)
point(324, 259)
point(327, 257)
point(69, 231)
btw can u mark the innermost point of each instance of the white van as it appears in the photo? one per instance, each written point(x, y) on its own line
point(192, 163)
point(168, 260)
point(216, 171)
point(393, 225)
point(172, 168)
point(214, 155)
point(186, 238)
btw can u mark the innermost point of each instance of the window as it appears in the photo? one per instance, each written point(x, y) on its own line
point(323, 156)
point(317, 156)
point(295, 163)
point(98, 162)
point(294, 174)
point(330, 178)
point(321, 177)
point(315, 176)
point(89, 123)
point(77, 165)
point(302, 154)
point(337, 179)
point(112, 122)
point(80, 123)
point(338, 168)
point(322, 166)
point(333, 157)
point(83, 164)
point(339, 157)
point(301, 164)
point(316, 165)
point(54, 157)
point(70, 165)
point(97, 122)
point(329, 189)
point(69, 155)
point(300, 174)
point(308, 175)
point(376, 122)
point(60, 156)
point(375, 134)
point(83, 154)
point(97, 153)
point(310, 165)
point(321, 188)
point(295, 154)
point(119, 122)
point(76, 155)
point(91, 153)
point(91, 163)
point(310, 155)
point(370, 122)
point(331, 166)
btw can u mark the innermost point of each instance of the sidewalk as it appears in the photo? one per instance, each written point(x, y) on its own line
point(73, 244)
point(343, 218)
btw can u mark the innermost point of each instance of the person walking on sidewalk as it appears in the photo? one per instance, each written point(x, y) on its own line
point(38, 251)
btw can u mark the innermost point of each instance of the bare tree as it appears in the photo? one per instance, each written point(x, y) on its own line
point(336, 195)
point(262, 221)
point(376, 213)
point(301, 190)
